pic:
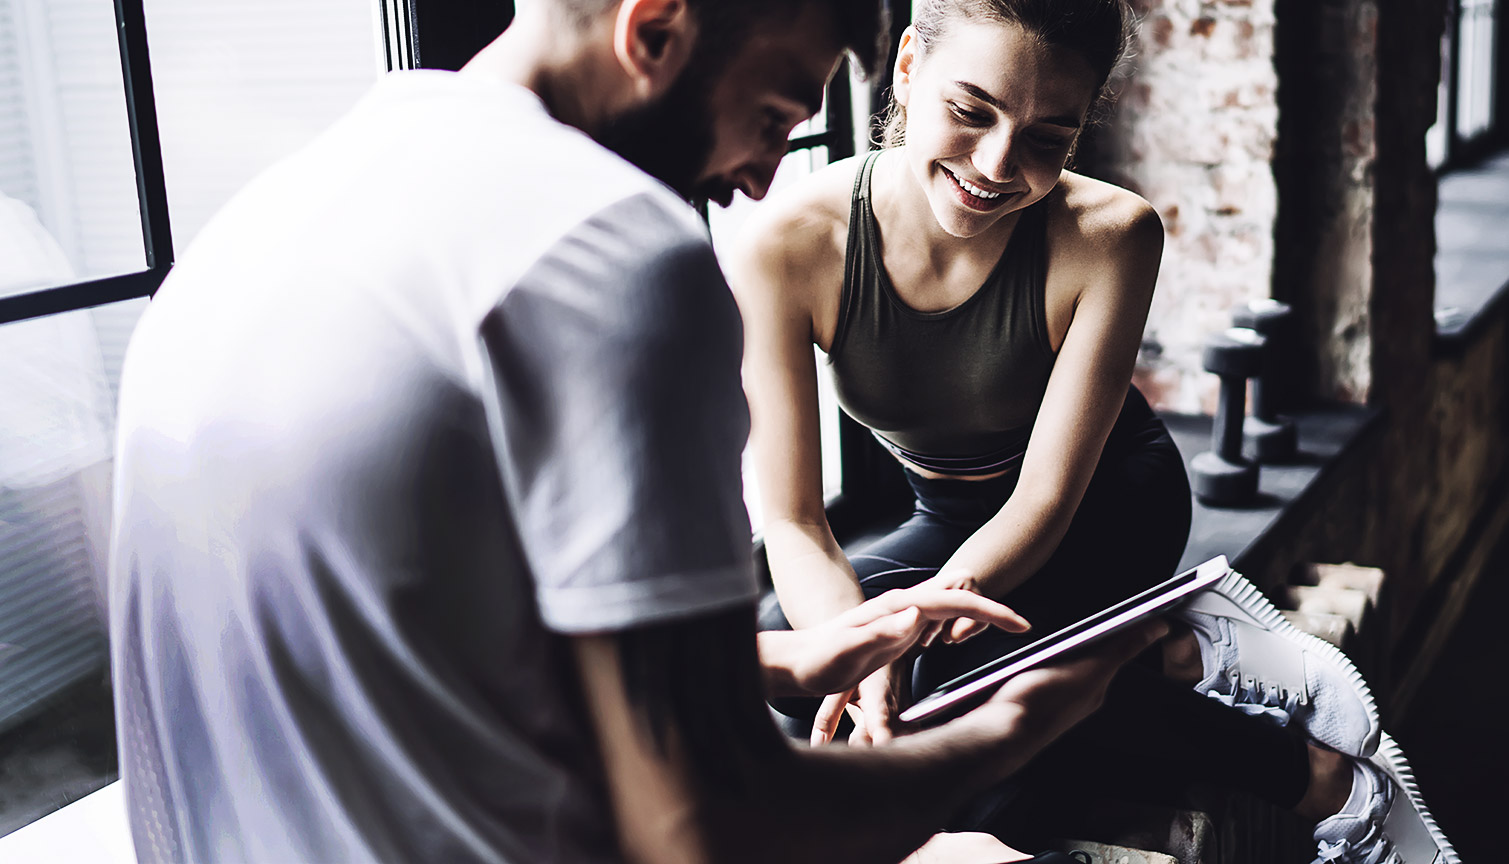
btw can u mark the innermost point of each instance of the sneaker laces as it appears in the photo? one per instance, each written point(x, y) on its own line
point(1371, 848)
point(1259, 699)
point(1342, 851)
point(1331, 852)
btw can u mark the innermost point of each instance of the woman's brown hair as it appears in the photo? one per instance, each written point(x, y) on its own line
point(1100, 31)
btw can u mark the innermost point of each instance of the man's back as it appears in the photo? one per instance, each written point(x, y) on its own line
point(327, 619)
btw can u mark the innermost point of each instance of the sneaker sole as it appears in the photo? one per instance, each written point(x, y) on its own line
point(1237, 589)
point(1409, 840)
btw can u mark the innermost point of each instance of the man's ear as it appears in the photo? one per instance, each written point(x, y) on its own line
point(653, 40)
point(908, 53)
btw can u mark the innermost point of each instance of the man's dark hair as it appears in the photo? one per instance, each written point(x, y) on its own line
point(863, 25)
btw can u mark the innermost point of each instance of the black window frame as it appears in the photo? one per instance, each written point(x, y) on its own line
point(151, 192)
point(1463, 152)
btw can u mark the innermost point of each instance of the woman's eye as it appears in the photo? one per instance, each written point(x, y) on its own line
point(1049, 142)
point(974, 118)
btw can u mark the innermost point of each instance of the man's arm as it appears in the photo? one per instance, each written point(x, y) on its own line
point(697, 772)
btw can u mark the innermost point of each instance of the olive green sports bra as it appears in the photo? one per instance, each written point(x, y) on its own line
point(955, 391)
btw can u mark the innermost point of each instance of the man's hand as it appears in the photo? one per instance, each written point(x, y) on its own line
point(872, 704)
point(835, 656)
point(1044, 702)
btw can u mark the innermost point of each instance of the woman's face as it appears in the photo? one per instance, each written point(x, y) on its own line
point(991, 115)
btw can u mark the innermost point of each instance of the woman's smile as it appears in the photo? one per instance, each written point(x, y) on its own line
point(976, 197)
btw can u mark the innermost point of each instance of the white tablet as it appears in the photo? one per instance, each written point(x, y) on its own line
point(1153, 601)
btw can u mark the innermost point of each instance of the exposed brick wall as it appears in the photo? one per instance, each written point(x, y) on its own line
point(1193, 131)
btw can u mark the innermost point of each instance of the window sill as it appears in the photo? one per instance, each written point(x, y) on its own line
point(1472, 258)
point(1327, 437)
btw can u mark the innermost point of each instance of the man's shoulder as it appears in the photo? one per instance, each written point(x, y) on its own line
point(561, 175)
point(644, 256)
point(497, 140)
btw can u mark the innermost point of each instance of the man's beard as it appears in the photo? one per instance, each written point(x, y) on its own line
point(671, 138)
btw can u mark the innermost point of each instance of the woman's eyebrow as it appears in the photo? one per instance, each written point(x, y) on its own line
point(1068, 121)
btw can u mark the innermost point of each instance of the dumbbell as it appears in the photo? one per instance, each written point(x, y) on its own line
point(1221, 476)
point(1268, 437)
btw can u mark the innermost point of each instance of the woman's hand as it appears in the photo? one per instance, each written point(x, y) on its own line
point(877, 634)
point(961, 628)
point(838, 654)
point(872, 704)
point(841, 655)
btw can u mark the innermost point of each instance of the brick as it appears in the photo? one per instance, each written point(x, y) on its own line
point(1350, 604)
point(1196, 138)
point(1369, 580)
point(1364, 642)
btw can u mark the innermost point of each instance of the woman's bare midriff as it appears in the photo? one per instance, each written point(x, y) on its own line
point(934, 475)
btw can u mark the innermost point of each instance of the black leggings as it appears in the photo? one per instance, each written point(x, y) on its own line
point(1127, 534)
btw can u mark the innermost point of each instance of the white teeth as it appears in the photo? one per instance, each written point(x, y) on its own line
point(975, 190)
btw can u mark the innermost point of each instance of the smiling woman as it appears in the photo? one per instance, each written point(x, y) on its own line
point(981, 307)
point(990, 136)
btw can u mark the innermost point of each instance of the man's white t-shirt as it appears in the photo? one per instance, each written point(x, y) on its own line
point(446, 386)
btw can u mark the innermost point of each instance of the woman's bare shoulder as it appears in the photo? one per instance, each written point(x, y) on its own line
point(801, 229)
point(1093, 215)
point(1102, 239)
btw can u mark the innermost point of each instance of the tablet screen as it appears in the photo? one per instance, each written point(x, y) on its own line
point(1160, 598)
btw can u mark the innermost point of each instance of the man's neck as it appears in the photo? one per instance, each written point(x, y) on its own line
point(572, 75)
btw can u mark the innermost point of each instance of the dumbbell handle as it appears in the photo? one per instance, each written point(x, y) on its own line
point(1261, 405)
point(1265, 317)
point(1230, 410)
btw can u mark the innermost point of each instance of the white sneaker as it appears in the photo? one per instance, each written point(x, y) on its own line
point(1385, 820)
point(1257, 662)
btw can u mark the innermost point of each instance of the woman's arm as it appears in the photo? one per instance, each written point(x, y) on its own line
point(783, 263)
point(1104, 257)
point(787, 274)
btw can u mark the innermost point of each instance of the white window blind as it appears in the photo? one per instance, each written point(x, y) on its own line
point(238, 86)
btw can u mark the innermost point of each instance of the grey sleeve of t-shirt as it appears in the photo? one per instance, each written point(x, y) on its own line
point(620, 422)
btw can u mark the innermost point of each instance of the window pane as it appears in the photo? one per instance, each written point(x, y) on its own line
point(237, 87)
point(726, 224)
point(240, 85)
point(1436, 135)
point(68, 203)
point(1475, 82)
point(57, 428)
